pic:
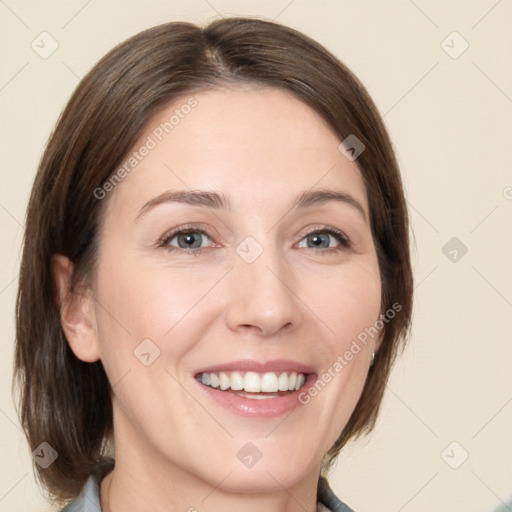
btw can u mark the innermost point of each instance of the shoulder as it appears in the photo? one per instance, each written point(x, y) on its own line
point(327, 498)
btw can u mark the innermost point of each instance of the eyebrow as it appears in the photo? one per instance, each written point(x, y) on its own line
point(218, 200)
point(315, 197)
point(205, 198)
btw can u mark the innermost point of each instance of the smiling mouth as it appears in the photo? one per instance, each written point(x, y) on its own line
point(252, 384)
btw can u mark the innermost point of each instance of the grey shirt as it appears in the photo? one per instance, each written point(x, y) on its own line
point(89, 499)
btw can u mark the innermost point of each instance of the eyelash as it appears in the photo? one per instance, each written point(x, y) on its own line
point(339, 236)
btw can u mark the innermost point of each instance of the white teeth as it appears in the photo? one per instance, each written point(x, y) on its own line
point(301, 379)
point(283, 382)
point(223, 381)
point(214, 380)
point(269, 382)
point(258, 396)
point(237, 381)
point(292, 379)
point(252, 382)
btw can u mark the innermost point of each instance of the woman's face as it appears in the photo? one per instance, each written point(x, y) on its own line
point(240, 241)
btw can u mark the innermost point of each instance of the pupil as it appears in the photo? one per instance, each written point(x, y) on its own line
point(189, 240)
point(319, 240)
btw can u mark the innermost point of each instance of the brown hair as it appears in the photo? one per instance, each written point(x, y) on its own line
point(66, 402)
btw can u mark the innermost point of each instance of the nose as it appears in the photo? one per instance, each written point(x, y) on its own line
point(261, 297)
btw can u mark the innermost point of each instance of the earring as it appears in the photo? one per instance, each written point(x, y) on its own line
point(373, 359)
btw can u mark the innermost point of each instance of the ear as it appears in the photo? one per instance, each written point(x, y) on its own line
point(77, 313)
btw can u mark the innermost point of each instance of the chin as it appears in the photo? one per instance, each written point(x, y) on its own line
point(261, 479)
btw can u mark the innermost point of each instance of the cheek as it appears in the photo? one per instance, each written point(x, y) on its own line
point(144, 331)
point(135, 304)
point(347, 302)
point(353, 319)
point(358, 307)
point(349, 305)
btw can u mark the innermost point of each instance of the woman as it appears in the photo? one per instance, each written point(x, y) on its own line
point(215, 277)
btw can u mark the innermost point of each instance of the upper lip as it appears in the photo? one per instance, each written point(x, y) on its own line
point(250, 365)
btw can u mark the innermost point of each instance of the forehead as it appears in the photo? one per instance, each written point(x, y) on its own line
point(254, 144)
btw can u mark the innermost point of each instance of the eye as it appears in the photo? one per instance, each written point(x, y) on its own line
point(327, 238)
point(192, 240)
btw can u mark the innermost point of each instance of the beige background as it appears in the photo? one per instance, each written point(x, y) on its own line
point(450, 119)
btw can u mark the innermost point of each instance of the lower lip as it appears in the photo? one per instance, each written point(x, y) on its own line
point(254, 408)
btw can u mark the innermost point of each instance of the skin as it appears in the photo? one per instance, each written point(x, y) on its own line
point(175, 448)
